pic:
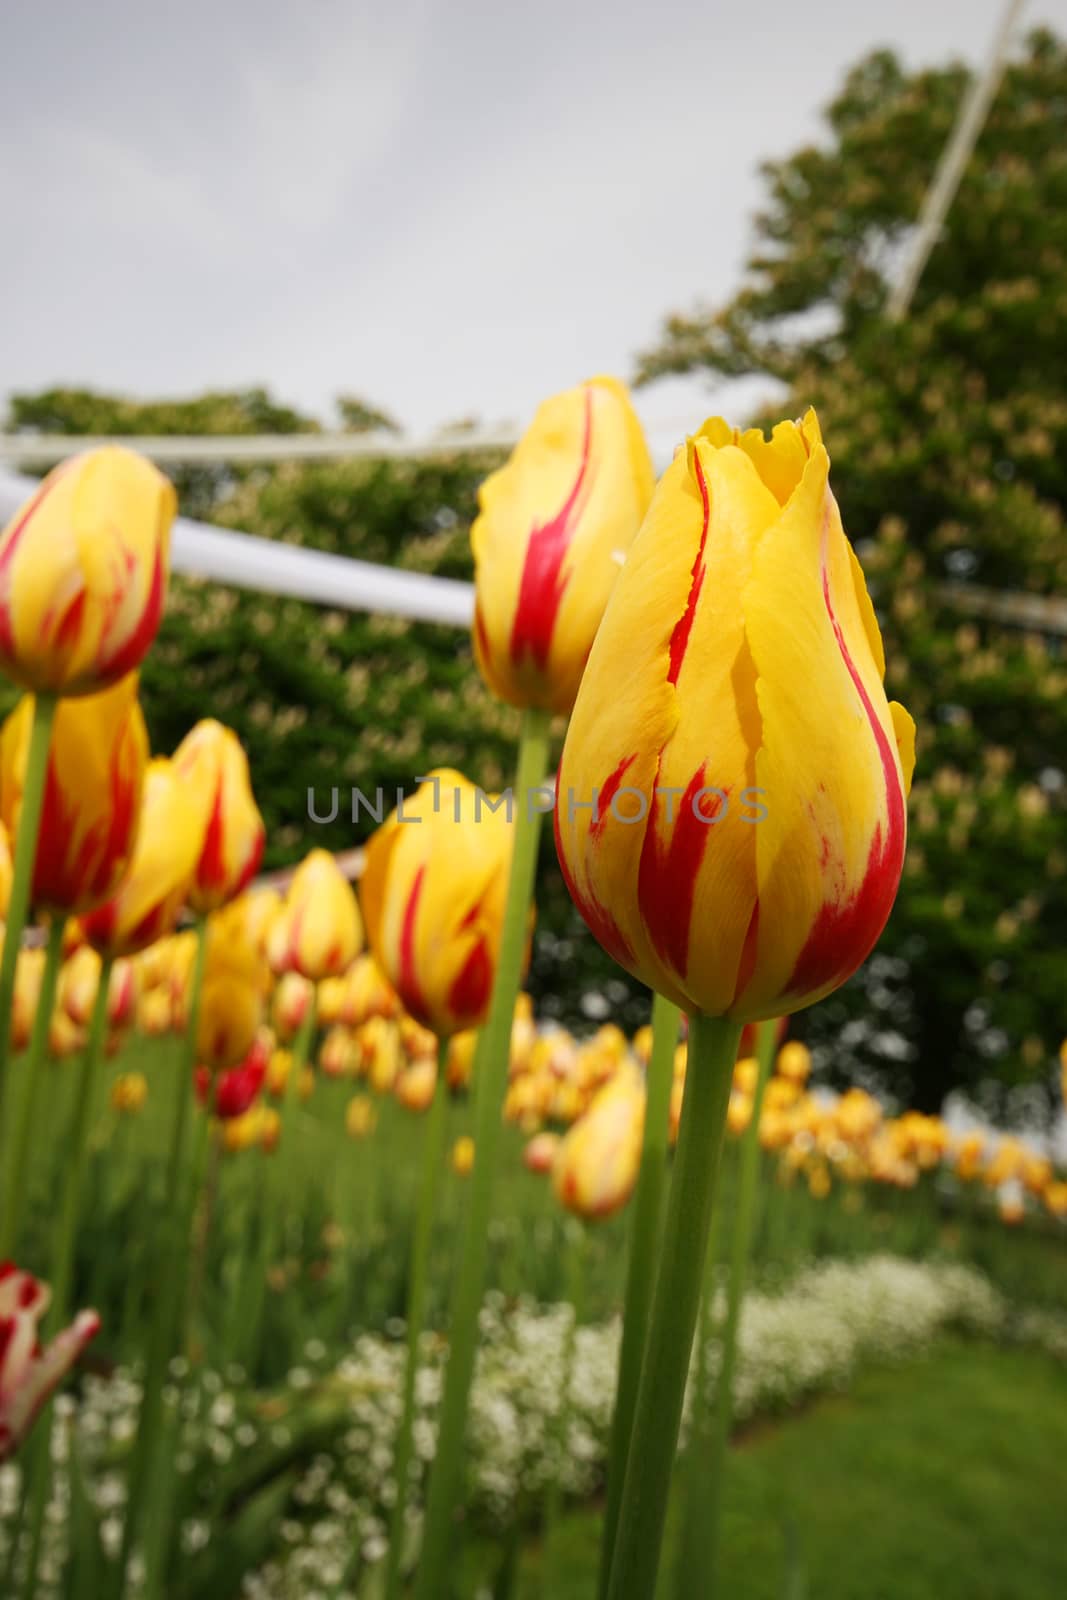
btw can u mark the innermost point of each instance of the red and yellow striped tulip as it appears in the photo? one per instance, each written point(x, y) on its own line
point(749, 775)
point(553, 527)
point(150, 896)
point(318, 932)
point(433, 898)
point(233, 844)
point(29, 1372)
point(92, 794)
point(83, 573)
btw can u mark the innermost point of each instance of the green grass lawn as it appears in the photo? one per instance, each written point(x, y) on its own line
point(945, 1478)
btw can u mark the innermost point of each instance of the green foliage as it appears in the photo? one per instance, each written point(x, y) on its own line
point(949, 441)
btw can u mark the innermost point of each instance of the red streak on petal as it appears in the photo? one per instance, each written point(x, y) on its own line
point(134, 648)
point(211, 872)
point(542, 584)
point(469, 994)
point(747, 964)
point(606, 794)
point(844, 934)
point(7, 1331)
point(666, 877)
point(684, 626)
point(408, 978)
point(597, 917)
point(481, 633)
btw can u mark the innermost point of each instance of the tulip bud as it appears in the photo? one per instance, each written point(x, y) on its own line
point(29, 972)
point(433, 896)
point(92, 795)
point(553, 528)
point(318, 933)
point(150, 896)
point(233, 844)
point(597, 1161)
point(292, 998)
point(540, 1153)
point(730, 810)
point(338, 1051)
point(416, 1084)
point(83, 573)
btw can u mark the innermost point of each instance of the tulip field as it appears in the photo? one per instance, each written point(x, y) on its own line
point(334, 1268)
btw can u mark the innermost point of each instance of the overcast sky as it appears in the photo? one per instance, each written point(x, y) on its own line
point(449, 209)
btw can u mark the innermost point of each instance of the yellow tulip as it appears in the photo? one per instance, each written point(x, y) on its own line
point(338, 1052)
point(330, 1002)
point(368, 992)
point(233, 844)
point(83, 573)
point(553, 527)
point(540, 1153)
point(361, 1116)
point(291, 1000)
point(463, 1155)
point(154, 1013)
point(79, 979)
point(598, 1158)
point(318, 933)
point(415, 1085)
point(92, 796)
point(29, 972)
point(433, 894)
point(794, 1062)
point(461, 1059)
point(129, 1093)
point(278, 1069)
point(150, 896)
point(231, 998)
point(748, 774)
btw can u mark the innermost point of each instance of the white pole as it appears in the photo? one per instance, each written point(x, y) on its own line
point(950, 169)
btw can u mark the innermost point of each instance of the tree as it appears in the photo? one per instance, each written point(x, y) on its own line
point(948, 434)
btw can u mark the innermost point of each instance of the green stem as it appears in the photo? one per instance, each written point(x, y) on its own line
point(433, 1156)
point(61, 1271)
point(661, 1393)
point(644, 1245)
point(26, 1115)
point(490, 1086)
point(697, 1571)
point(274, 1211)
point(574, 1277)
point(173, 1236)
point(44, 710)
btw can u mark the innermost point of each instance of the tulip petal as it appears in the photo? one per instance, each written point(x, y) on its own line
point(830, 851)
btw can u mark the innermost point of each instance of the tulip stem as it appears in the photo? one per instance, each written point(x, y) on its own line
point(26, 1113)
point(274, 1216)
point(490, 1086)
point(175, 1233)
point(654, 1441)
point(433, 1154)
point(698, 1555)
point(576, 1234)
point(44, 710)
point(641, 1271)
point(61, 1271)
